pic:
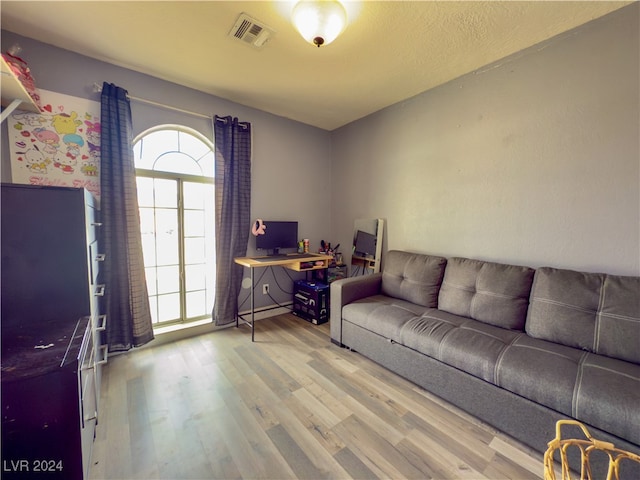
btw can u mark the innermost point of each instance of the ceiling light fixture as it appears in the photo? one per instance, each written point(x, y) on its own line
point(319, 21)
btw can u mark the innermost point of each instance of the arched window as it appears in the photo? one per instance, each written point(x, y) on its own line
point(174, 170)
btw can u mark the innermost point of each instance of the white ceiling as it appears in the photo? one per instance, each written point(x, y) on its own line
point(390, 51)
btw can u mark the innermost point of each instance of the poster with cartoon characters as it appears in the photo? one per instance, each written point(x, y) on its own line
point(59, 146)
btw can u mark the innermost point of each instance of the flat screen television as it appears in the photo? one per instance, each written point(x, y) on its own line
point(365, 245)
point(277, 235)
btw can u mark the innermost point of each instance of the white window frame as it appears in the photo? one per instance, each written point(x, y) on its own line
point(180, 179)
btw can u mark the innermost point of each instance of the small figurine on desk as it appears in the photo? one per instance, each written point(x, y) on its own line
point(258, 227)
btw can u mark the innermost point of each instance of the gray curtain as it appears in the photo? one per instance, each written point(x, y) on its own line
point(233, 210)
point(126, 302)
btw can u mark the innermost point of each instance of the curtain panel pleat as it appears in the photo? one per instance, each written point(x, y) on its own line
point(126, 301)
point(233, 211)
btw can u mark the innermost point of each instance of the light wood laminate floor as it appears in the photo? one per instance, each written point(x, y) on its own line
point(290, 405)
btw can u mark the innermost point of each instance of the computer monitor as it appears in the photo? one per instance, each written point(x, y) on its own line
point(365, 244)
point(277, 235)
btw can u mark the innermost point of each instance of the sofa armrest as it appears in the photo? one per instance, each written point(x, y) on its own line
point(346, 291)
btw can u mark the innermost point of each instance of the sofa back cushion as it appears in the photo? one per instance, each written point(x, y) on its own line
point(413, 277)
point(593, 311)
point(489, 292)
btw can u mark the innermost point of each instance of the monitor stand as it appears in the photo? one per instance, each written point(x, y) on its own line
point(276, 253)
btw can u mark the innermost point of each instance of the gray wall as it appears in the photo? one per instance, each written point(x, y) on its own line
point(291, 161)
point(532, 161)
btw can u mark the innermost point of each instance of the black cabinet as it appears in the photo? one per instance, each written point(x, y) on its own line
point(50, 338)
point(49, 413)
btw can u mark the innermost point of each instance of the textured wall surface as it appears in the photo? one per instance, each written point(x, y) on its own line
point(290, 168)
point(533, 160)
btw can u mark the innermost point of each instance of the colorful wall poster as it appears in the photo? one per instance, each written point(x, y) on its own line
point(59, 146)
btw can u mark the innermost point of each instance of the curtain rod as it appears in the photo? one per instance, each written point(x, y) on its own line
point(243, 125)
point(98, 88)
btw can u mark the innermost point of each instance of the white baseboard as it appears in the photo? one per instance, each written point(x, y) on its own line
point(174, 333)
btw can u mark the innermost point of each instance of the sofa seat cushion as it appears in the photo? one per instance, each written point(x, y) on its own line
point(382, 314)
point(466, 344)
point(493, 293)
point(541, 371)
point(425, 333)
point(413, 277)
point(594, 389)
point(608, 396)
point(595, 312)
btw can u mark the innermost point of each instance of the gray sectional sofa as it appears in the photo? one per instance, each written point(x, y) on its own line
point(516, 347)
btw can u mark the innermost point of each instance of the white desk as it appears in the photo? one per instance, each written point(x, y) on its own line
point(294, 262)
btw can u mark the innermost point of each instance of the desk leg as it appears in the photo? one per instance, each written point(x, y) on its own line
point(253, 320)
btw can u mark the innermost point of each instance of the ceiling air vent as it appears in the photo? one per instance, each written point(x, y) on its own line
point(251, 31)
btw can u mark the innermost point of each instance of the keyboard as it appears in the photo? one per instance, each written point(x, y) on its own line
point(282, 256)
